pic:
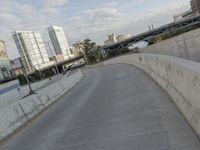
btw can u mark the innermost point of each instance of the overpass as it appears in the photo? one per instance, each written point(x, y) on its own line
point(172, 27)
point(62, 63)
point(132, 102)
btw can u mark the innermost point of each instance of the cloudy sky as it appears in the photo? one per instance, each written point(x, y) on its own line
point(81, 19)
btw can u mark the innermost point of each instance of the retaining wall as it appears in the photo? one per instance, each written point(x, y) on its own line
point(185, 46)
point(180, 78)
point(15, 115)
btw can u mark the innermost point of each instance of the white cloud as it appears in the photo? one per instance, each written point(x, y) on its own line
point(158, 17)
point(98, 27)
point(102, 12)
point(54, 3)
point(138, 1)
point(96, 20)
point(168, 10)
point(95, 23)
point(26, 15)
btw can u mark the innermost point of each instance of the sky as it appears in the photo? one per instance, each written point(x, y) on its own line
point(81, 19)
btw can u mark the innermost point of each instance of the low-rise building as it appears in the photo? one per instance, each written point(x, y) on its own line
point(184, 15)
point(113, 38)
point(195, 5)
point(122, 37)
point(75, 51)
point(6, 72)
point(79, 46)
point(16, 65)
point(57, 58)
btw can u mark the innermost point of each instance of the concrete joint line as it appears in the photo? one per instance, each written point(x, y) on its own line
point(23, 111)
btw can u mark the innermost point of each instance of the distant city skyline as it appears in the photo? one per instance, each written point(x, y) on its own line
point(92, 19)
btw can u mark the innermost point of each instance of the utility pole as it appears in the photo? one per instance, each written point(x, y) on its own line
point(55, 61)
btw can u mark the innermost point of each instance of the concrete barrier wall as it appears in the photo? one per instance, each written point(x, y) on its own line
point(180, 78)
point(17, 114)
point(16, 94)
point(11, 118)
point(185, 46)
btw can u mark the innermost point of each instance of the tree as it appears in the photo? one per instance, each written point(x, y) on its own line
point(89, 49)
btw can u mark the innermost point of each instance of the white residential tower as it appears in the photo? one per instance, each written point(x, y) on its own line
point(32, 50)
point(59, 42)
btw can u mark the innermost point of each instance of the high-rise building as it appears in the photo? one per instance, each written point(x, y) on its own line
point(59, 41)
point(195, 4)
point(6, 72)
point(32, 50)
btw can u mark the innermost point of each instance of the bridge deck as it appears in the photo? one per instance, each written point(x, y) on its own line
point(172, 27)
point(113, 108)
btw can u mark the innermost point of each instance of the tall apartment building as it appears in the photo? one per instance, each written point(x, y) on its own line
point(195, 4)
point(32, 50)
point(6, 72)
point(59, 42)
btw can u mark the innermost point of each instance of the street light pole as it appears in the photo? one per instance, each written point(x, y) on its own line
point(29, 85)
point(55, 62)
point(31, 92)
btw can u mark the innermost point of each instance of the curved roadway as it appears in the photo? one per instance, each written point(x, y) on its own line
point(115, 107)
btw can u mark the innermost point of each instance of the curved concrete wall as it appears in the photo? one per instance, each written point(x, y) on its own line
point(15, 115)
point(180, 78)
point(185, 46)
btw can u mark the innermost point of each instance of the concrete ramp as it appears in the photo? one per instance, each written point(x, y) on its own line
point(117, 107)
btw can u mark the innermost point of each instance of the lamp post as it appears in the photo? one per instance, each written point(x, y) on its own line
point(55, 62)
point(31, 92)
point(29, 85)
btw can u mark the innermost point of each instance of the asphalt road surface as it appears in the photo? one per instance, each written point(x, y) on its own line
point(113, 108)
point(57, 77)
